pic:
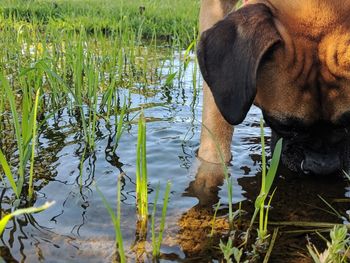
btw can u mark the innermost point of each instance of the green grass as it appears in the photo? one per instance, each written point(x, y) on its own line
point(30, 210)
point(337, 248)
point(157, 241)
point(262, 242)
point(116, 220)
point(84, 56)
point(213, 220)
point(229, 251)
point(267, 179)
point(34, 131)
point(174, 21)
point(141, 174)
point(25, 135)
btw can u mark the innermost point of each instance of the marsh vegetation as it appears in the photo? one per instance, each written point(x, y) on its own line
point(100, 109)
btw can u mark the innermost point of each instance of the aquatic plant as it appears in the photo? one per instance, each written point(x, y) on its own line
point(30, 210)
point(24, 125)
point(214, 218)
point(337, 249)
point(120, 125)
point(115, 219)
point(34, 129)
point(228, 250)
point(157, 241)
point(141, 173)
point(267, 179)
point(266, 183)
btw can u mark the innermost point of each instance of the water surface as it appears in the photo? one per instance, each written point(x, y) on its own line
point(79, 229)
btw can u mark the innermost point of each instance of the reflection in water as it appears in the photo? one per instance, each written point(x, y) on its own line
point(208, 180)
point(196, 223)
point(297, 199)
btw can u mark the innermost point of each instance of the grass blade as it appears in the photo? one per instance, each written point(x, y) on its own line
point(31, 173)
point(156, 252)
point(8, 173)
point(276, 156)
point(214, 218)
point(116, 223)
point(30, 210)
point(153, 230)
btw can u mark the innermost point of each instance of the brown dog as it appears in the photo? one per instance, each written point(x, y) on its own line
point(291, 59)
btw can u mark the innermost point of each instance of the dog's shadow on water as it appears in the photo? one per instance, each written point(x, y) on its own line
point(298, 199)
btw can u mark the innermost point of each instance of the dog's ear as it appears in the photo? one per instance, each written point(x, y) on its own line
point(229, 55)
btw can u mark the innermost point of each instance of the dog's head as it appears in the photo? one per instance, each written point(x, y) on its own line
point(292, 59)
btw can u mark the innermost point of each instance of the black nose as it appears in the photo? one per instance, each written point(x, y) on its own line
point(320, 163)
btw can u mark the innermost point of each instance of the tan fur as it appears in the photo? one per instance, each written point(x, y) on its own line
point(215, 130)
point(307, 78)
point(317, 56)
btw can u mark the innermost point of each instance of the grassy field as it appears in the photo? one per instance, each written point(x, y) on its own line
point(170, 20)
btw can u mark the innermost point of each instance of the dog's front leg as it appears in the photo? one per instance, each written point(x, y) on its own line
point(215, 130)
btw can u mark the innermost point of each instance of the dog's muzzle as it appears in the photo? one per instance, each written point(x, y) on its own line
point(320, 151)
point(320, 163)
point(304, 158)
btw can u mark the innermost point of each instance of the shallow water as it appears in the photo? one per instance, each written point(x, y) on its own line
point(78, 227)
